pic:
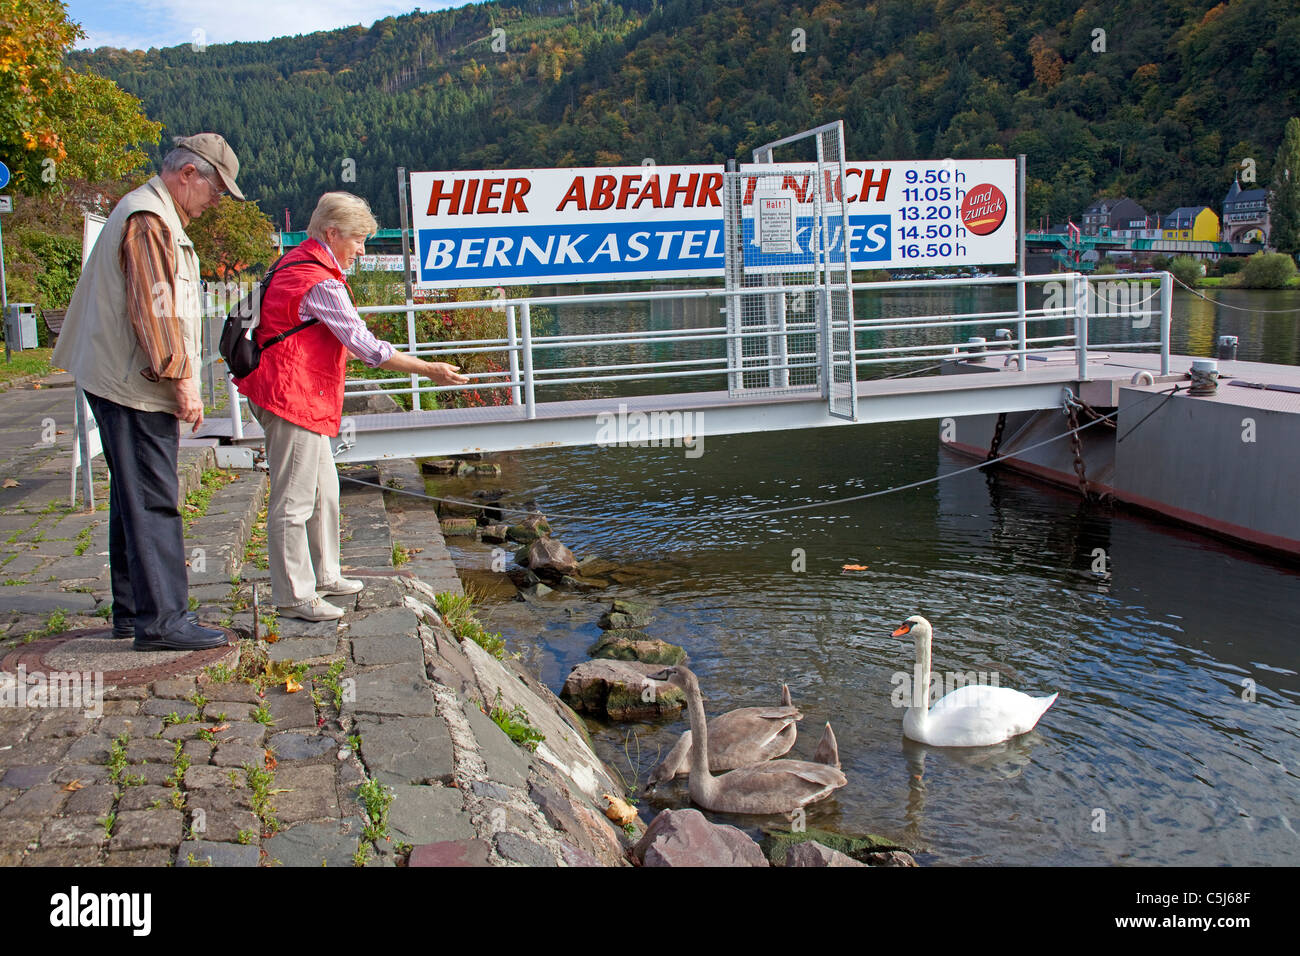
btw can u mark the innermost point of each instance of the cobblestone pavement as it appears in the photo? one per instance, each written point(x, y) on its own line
point(385, 756)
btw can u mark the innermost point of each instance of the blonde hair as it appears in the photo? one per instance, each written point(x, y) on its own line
point(345, 212)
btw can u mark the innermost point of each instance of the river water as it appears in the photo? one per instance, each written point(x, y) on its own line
point(1174, 739)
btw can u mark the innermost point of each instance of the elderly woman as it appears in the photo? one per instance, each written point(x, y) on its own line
point(296, 393)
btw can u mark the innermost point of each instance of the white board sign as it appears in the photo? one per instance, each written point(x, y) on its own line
point(530, 226)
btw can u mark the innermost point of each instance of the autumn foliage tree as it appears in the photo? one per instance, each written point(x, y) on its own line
point(232, 238)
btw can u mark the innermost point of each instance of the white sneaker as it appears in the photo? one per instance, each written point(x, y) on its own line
point(342, 586)
point(314, 610)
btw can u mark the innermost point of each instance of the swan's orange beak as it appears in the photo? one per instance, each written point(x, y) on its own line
point(903, 629)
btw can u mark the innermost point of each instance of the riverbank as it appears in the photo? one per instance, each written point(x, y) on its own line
point(367, 742)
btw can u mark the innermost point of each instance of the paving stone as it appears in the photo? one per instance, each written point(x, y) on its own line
point(315, 844)
point(291, 746)
point(397, 689)
point(296, 628)
point(520, 849)
point(142, 829)
point(23, 778)
point(84, 773)
point(127, 692)
point(122, 708)
point(242, 731)
point(63, 856)
point(450, 853)
point(237, 753)
point(162, 706)
point(80, 830)
point(383, 623)
point(396, 649)
point(33, 753)
point(179, 689)
point(147, 774)
point(31, 601)
point(145, 798)
point(157, 857)
point(210, 853)
point(140, 726)
point(97, 799)
point(303, 648)
point(311, 793)
point(380, 592)
point(406, 750)
point(62, 725)
point(233, 710)
point(428, 815)
point(232, 691)
point(187, 730)
point(291, 711)
point(45, 800)
point(217, 778)
point(506, 761)
point(18, 833)
point(216, 800)
point(224, 827)
point(147, 750)
point(199, 751)
point(93, 748)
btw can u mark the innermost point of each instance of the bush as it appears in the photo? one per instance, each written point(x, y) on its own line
point(1105, 269)
point(1187, 270)
point(1231, 265)
point(1265, 270)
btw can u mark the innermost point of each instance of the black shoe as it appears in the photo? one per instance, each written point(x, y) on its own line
point(190, 637)
point(126, 632)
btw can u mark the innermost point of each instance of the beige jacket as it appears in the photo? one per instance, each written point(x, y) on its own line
point(97, 343)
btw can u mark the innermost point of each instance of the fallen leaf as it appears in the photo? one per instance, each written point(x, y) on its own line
point(619, 811)
point(10, 483)
point(291, 686)
point(74, 785)
point(855, 567)
point(271, 762)
point(217, 730)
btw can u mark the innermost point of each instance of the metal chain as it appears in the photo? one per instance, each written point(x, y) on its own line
point(997, 437)
point(1076, 447)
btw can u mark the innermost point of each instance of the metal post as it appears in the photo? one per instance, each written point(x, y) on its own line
point(236, 414)
point(406, 277)
point(1166, 317)
point(4, 294)
point(512, 336)
point(83, 442)
point(526, 321)
point(1021, 326)
point(1081, 323)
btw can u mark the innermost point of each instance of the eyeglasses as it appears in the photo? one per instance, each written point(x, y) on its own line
point(216, 189)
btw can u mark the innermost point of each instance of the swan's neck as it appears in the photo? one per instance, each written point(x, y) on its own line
point(921, 681)
point(700, 780)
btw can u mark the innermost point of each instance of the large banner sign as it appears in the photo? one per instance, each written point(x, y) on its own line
point(537, 226)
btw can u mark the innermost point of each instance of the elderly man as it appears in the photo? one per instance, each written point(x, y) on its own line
point(131, 339)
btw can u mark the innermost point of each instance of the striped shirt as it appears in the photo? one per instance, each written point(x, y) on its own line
point(329, 302)
point(145, 255)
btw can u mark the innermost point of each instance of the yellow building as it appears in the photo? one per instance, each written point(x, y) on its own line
point(1192, 222)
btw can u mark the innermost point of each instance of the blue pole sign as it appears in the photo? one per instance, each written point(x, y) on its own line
point(4, 175)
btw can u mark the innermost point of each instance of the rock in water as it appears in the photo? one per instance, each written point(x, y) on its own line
point(621, 690)
point(687, 838)
point(813, 853)
point(551, 559)
point(636, 646)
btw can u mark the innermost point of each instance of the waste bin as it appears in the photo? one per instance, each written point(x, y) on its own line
point(20, 326)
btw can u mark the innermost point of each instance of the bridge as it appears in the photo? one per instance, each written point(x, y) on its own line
point(1068, 249)
point(772, 374)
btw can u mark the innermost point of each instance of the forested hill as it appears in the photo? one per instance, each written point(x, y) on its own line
point(1162, 106)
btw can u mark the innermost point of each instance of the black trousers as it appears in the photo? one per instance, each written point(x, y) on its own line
point(146, 539)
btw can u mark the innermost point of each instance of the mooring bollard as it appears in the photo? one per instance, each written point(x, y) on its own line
point(1227, 347)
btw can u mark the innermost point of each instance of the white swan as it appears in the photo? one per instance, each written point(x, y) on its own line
point(973, 716)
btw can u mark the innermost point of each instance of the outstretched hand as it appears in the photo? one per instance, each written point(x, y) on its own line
point(445, 374)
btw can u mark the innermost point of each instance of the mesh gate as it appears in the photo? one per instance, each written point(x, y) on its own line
point(790, 303)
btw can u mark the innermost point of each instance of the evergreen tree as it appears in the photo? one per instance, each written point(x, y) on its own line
point(1284, 198)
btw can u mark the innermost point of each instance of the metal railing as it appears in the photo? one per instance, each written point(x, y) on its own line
point(1072, 298)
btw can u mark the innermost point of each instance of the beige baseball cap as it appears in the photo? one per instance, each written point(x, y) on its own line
point(214, 148)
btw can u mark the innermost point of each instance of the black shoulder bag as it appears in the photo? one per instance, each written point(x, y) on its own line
point(238, 345)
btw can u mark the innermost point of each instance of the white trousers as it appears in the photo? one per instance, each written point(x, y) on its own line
point(302, 516)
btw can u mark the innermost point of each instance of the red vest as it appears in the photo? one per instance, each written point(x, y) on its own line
point(301, 378)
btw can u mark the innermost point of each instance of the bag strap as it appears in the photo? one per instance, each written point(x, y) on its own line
point(266, 281)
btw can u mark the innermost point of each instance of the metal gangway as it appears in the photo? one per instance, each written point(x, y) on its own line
point(778, 362)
